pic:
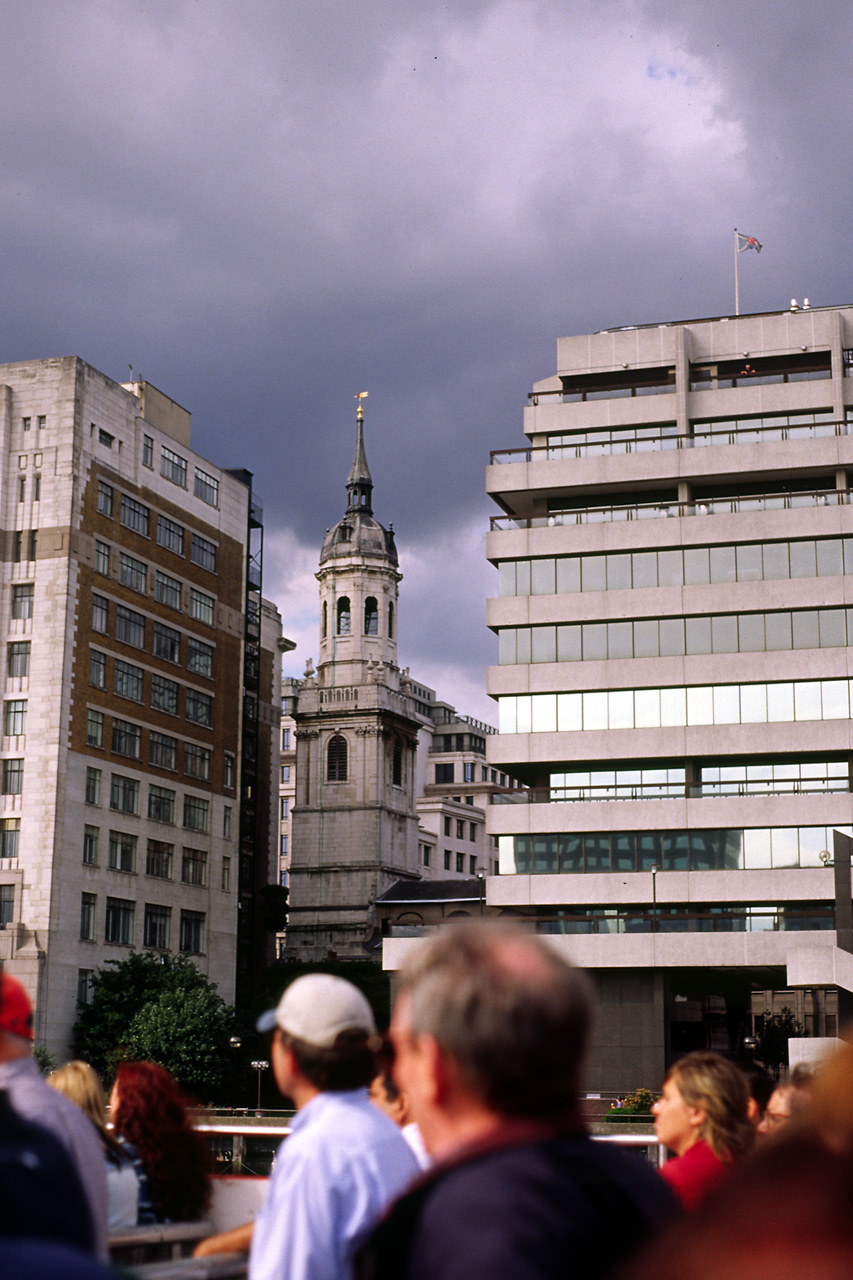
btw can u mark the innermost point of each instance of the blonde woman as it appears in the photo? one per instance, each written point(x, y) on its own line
point(128, 1196)
point(702, 1117)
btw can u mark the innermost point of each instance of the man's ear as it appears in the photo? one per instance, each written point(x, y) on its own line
point(442, 1073)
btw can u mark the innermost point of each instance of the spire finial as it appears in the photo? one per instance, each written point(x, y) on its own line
point(359, 484)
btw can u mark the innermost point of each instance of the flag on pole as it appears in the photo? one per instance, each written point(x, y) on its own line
point(747, 242)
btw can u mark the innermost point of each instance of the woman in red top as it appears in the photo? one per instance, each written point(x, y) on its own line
point(702, 1117)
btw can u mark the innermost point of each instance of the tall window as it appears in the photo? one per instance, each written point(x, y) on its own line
point(371, 616)
point(130, 627)
point(194, 866)
point(397, 763)
point(134, 515)
point(202, 606)
point(85, 986)
point(157, 927)
point(105, 498)
point(196, 813)
point(343, 615)
point(132, 573)
point(127, 680)
point(148, 451)
point(164, 695)
point(192, 932)
point(173, 467)
point(22, 600)
point(158, 860)
point(167, 643)
point(199, 707)
point(390, 621)
point(93, 786)
point(10, 833)
point(206, 487)
point(16, 717)
point(167, 590)
point(94, 729)
point(161, 803)
point(18, 658)
point(122, 851)
point(13, 777)
point(87, 917)
point(102, 557)
point(203, 552)
point(162, 750)
point(196, 761)
point(90, 846)
point(100, 614)
point(199, 657)
point(124, 793)
point(127, 739)
point(325, 619)
point(336, 759)
point(170, 535)
point(119, 927)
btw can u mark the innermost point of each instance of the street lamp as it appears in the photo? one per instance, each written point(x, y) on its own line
point(260, 1065)
point(654, 871)
point(234, 1045)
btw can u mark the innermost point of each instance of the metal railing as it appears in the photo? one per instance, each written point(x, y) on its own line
point(649, 440)
point(674, 509)
point(670, 791)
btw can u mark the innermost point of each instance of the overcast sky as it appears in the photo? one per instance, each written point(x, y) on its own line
point(266, 207)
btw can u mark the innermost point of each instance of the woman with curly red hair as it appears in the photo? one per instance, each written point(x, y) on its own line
point(148, 1110)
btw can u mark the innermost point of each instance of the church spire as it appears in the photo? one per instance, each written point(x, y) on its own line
point(359, 483)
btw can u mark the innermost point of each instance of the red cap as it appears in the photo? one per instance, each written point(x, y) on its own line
point(16, 1010)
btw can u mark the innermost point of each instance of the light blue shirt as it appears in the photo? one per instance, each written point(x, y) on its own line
point(334, 1177)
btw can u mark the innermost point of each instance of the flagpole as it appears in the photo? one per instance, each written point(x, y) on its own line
point(737, 292)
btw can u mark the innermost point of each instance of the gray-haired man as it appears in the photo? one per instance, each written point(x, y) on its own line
point(489, 1029)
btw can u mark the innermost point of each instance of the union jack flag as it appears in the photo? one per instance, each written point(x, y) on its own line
point(747, 242)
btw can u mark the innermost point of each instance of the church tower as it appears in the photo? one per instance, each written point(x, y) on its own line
point(354, 826)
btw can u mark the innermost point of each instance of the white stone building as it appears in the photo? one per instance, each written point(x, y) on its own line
point(675, 556)
point(132, 643)
point(674, 684)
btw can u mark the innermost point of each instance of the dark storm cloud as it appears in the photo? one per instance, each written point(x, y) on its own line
point(268, 207)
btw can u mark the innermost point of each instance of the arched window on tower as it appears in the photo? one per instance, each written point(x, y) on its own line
point(397, 763)
point(325, 619)
point(391, 620)
point(336, 759)
point(343, 616)
point(371, 617)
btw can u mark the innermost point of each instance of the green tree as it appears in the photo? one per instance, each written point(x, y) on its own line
point(145, 1006)
point(778, 1029)
point(187, 1032)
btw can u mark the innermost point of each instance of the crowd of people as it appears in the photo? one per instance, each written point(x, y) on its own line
point(456, 1148)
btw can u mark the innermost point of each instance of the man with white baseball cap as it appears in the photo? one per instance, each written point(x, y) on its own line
point(345, 1161)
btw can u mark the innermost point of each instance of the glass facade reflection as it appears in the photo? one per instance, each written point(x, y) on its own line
point(708, 849)
point(678, 567)
point(677, 637)
point(777, 702)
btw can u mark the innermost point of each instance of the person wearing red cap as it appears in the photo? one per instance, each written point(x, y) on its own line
point(32, 1098)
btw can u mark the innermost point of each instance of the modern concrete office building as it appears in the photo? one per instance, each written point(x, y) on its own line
point(675, 619)
point(139, 670)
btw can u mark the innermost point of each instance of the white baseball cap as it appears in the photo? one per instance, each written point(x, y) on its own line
point(317, 1008)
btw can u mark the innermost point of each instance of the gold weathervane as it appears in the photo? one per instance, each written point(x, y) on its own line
point(359, 396)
